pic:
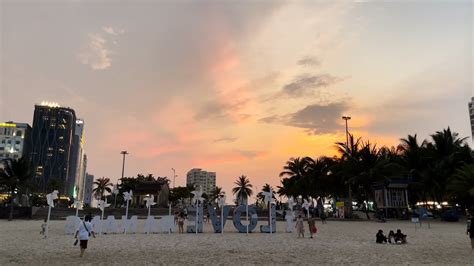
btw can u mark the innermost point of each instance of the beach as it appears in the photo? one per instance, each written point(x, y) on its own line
point(338, 242)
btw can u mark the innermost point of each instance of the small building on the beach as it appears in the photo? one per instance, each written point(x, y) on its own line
point(392, 197)
point(158, 188)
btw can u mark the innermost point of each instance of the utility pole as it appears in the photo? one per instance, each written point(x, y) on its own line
point(346, 118)
point(123, 162)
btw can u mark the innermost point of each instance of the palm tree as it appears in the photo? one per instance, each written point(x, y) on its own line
point(265, 188)
point(215, 193)
point(243, 190)
point(295, 174)
point(414, 159)
point(462, 185)
point(14, 177)
point(103, 185)
point(317, 172)
point(446, 154)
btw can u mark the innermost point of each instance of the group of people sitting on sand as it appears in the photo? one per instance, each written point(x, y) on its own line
point(392, 238)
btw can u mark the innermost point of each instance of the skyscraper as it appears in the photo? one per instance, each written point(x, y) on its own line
point(15, 140)
point(88, 183)
point(471, 115)
point(76, 173)
point(198, 177)
point(53, 134)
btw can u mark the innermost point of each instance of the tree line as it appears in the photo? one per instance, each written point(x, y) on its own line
point(440, 169)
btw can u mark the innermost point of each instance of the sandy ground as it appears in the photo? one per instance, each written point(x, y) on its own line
point(337, 242)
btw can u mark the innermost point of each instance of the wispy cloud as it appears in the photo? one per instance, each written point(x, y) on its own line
point(306, 84)
point(316, 119)
point(95, 53)
point(226, 139)
point(309, 61)
point(113, 31)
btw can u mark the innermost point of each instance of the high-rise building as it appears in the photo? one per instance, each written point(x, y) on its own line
point(471, 116)
point(53, 135)
point(15, 140)
point(82, 185)
point(88, 183)
point(198, 177)
point(76, 173)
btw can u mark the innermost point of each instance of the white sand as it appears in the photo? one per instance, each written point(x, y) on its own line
point(336, 242)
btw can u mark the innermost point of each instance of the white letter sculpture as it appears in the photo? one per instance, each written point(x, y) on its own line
point(111, 225)
point(72, 224)
point(102, 205)
point(127, 196)
point(221, 203)
point(305, 206)
point(289, 215)
point(150, 224)
point(78, 205)
point(196, 200)
point(271, 212)
point(50, 199)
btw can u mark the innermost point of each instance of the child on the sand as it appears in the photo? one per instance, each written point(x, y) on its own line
point(299, 226)
point(43, 228)
point(84, 232)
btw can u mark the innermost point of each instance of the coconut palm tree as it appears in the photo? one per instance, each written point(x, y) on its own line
point(446, 154)
point(103, 185)
point(461, 185)
point(243, 190)
point(295, 174)
point(265, 188)
point(317, 175)
point(414, 159)
point(15, 176)
point(215, 193)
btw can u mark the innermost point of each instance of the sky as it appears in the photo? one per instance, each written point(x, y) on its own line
point(237, 87)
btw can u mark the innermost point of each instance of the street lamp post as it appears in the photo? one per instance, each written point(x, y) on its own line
point(174, 177)
point(345, 118)
point(123, 161)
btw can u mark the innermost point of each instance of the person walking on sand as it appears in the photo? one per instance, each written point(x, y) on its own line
point(84, 232)
point(312, 226)
point(181, 223)
point(299, 226)
point(470, 229)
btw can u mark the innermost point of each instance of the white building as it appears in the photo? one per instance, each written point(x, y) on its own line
point(15, 140)
point(471, 116)
point(89, 180)
point(197, 177)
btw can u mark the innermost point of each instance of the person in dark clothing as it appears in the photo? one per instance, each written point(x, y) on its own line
point(391, 237)
point(380, 238)
point(470, 228)
point(400, 238)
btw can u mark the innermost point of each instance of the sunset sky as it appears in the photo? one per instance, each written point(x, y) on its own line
point(236, 87)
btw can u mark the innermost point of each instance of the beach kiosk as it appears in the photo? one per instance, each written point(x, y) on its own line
point(391, 197)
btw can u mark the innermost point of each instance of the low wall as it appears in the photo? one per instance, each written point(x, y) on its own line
point(18, 212)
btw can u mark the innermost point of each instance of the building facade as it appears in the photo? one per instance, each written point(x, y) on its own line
point(15, 140)
point(471, 116)
point(198, 177)
point(76, 173)
point(88, 186)
point(53, 135)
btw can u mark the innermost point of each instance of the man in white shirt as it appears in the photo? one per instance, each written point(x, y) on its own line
point(84, 232)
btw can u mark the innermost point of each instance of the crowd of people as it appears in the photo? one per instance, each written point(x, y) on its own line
point(392, 238)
